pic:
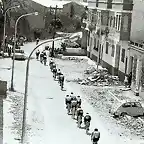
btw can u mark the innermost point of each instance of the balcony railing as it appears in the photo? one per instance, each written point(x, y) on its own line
point(135, 44)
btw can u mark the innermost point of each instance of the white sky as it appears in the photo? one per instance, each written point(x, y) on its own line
point(49, 3)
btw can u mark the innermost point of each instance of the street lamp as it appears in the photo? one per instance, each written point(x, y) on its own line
point(26, 87)
point(13, 61)
point(5, 18)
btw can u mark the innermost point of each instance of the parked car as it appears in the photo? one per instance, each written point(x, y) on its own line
point(19, 51)
point(127, 108)
point(19, 56)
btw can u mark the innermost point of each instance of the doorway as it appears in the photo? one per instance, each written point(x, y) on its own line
point(126, 61)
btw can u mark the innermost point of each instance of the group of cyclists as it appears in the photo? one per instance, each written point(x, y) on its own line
point(73, 106)
point(57, 74)
point(42, 55)
point(73, 103)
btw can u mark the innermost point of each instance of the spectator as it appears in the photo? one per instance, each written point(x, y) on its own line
point(129, 79)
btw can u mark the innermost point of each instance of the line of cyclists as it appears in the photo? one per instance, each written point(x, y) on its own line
point(42, 55)
point(73, 106)
point(73, 103)
point(57, 74)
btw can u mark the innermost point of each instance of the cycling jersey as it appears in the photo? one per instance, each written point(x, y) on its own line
point(68, 100)
point(73, 103)
point(95, 136)
point(62, 78)
point(79, 112)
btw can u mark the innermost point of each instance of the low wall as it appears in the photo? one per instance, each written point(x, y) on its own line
point(75, 52)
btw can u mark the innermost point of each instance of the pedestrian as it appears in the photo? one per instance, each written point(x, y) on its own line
point(129, 79)
point(41, 57)
point(37, 54)
point(37, 41)
point(126, 81)
point(9, 51)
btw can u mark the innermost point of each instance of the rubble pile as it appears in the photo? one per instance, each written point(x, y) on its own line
point(75, 59)
point(99, 77)
point(97, 98)
point(133, 124)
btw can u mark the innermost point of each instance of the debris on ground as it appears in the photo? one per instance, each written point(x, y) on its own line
point(133, 124)
point(75, 59)
point(99, 77)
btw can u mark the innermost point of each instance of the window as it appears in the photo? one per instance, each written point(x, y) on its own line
point(95, 43)
point(119, 22)
point(126, 105)
point(113, 50)
point(90, 42)
point(88, 38)
point(123, 55)
point(110, 21)
point(137, 104)
point(114, 22)
point(107, 45)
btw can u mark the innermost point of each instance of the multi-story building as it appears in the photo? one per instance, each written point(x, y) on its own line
point(136, 66)
point(120, 50)
point(109, 34)
point(136, 48)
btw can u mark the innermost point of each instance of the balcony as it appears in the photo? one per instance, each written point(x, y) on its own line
point(136, 46)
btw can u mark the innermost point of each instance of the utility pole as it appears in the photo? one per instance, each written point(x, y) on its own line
point(54, 32)
point(100, 45)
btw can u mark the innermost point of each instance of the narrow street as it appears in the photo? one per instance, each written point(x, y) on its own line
point(47, 118)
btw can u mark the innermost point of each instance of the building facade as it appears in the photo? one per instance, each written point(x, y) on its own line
point(110, 26)
point(136, 66)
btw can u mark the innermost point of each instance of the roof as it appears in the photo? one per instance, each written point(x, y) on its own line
point(51, 3)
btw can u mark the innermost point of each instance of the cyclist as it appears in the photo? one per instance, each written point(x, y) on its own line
point(79, 116)
point(87, 120)
point(68, 103)
point(95, 136)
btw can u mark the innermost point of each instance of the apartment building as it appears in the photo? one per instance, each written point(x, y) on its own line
point(110, 24)
point(136, 48)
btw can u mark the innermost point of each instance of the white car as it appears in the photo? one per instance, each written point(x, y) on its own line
point(131, 108)
point(19, 56)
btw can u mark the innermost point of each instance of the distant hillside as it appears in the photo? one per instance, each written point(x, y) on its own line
point(27, 25)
